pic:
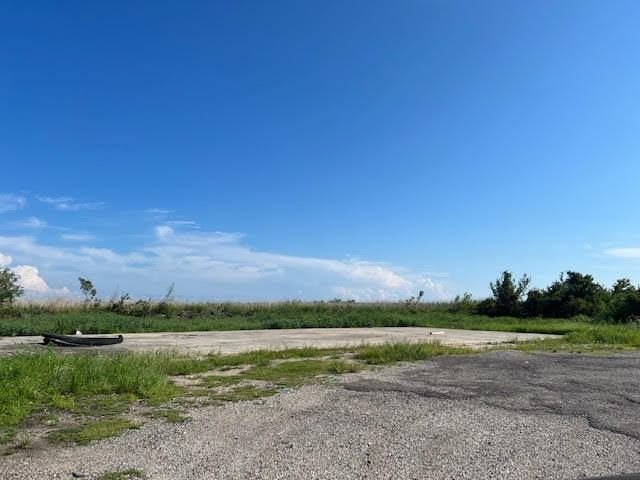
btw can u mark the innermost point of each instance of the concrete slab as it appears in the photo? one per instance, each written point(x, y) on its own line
point(246, 340)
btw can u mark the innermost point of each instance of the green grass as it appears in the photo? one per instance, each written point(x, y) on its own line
point(127, 474)
point(213, 317)
point(97, 430)
point(104, 385)
point(243, 393)
point(406, 352)
point(83, 383)
point(170, 415)
point(98, 388)
point(298, 372)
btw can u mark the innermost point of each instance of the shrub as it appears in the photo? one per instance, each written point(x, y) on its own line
point(571, 295)
point(10, 289)
point(624, 303)
point(507, 296)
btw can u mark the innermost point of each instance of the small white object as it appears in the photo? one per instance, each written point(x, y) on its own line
point(436, 333)
point(78, 332)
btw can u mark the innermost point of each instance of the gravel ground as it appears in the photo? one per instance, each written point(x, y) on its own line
point(501, 415)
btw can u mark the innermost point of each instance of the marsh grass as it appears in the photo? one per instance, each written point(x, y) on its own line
point(35, 319)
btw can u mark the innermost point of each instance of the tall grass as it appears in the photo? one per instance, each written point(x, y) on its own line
point(406, 352)
point(35, 319)
point(32, 381)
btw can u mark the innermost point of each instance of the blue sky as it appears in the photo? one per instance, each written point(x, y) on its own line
point(279, 150)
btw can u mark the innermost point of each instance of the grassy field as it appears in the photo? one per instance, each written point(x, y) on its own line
point(96, 390)
point(35, 320)
point(84, 397)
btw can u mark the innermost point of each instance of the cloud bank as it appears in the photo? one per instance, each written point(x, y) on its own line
point(213, 265)
point(29, 278)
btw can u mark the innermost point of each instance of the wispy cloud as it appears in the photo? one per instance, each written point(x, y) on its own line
point(182, 223)
point(10, 202)
point(629, 252)
point(158, 211)
point(220, 265)
point(31, 222)
point(77, 237)
point(67, 204)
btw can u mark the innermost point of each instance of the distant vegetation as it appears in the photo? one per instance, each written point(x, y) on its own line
point(512, 307)
point(572, 295)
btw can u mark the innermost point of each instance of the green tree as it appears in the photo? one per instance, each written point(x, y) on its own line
point(10, 289)
point(88, 290)
point(572, 294)
point(507, 295)
point(624, 302)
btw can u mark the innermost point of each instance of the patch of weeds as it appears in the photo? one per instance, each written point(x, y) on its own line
point(6, 434)
point(89, 432)
point(339, 367)
point(127, 474)
point(196, 393)
point(50, 419)
point(170, 415)
point(291, 373)
point(21, 442)
point(406, 352)
point(62, 402)
point(103, 405)
point(244, 393)
point(220, 380)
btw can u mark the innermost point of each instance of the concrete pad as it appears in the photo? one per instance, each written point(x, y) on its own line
point(245, 340)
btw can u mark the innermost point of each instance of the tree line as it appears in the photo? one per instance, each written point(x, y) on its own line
point(571, 295)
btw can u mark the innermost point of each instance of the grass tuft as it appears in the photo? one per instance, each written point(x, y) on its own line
point(406, 352)
point(127, 474)
point(89, 432)
point(244, 393)
point(170, 415)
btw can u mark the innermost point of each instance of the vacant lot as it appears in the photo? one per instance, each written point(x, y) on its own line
point(496, 415)
point(249, 340)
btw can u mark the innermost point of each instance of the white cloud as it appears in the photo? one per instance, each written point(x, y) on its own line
point(31, 222)
point(9, 202)
point(5, 260)
point(163, 232)
point(218, 265)
point(632, 252)
point(183, 223)
point(67, 204)
point(158, 211)
point(29, 278)
point(77, 237)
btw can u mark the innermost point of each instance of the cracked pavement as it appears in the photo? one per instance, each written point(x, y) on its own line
point(501, 415)
point(603, 389)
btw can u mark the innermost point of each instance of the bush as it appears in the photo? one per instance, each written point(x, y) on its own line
point(9, 287)
point(507, 296)
point(624, 303)
point(571, 295)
